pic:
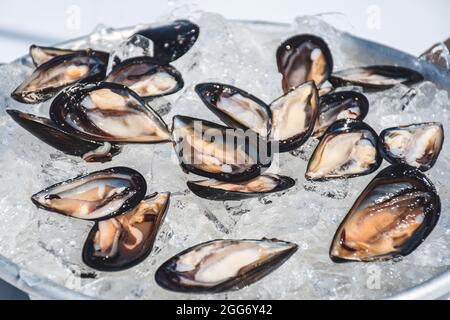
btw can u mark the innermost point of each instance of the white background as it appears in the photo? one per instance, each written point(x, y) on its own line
point(410, 25)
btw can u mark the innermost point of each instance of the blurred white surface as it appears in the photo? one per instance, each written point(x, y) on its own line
point(409, 25)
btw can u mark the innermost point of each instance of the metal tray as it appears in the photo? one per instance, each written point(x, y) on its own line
point(38, 286)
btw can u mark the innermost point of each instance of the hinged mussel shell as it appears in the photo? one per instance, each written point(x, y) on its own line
point(62, 71)
point(347, 149)
point(172, 41)
point(46, 131)
point(217, 152)
point(417, 145)
point(294, 116)
point(40, 55)
point(376, 77)
point(107, 112)
point(226, 191)
point(96, 196)
point(340, 105)
point(124, 241)
point(391, 218)
point(223, 265)
point(235, 107)
point(304, 58)
point(147, 77)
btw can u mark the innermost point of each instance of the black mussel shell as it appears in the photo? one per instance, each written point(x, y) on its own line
point(40, 55)
point(60, 72)
point(125, 241)
point(97, 196)
point(375, 78)
point(235, 107)
point(103, 112)
point(46, 131)
point(217, 152)
point(391, 218)
point(178, 274)
point(417, 145)
point(355, 141)
point(340, 105)
point(172, 41)
point(304, 58)
point(293, 117)
point(257, 187)
point(147, 77)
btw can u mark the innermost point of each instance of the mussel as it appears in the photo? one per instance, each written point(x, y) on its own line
point(172, 41)
point(62, 71)
point(340, 105)
point(147, 77)
point(46, 131)
point(223, 265)
point(41, 55)
point(417, 145)
point(347, 149)
point(294, 116)
point(391, 218)
point(376, 77)
point(219, 152)
point(124, 241)
point(96, 196)
point(235, 107)
point(304, 58)
point(107, 112)
point(225, 191)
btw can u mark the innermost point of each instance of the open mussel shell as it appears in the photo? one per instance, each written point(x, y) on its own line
point(147, 77)
point(46, 131)
point(340, 105)
point(96, 196)
point(107, 112)
point(226, 191)
point(349, 148)
point(217, 152)
point(391, 218)
point(60, 72)
point(223, 265)
point(235, 107)
point(172, 41)
point(294, 116)
point(375, 78)
point(417, 145)
point(40, 55)
point(304, 58)
point(124, 241)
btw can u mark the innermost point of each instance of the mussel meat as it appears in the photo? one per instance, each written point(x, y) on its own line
point(294, 116)
point(124, 241)
point(235, 107)
point(219, 152)
point(46, 131)
point(172, 41)
point(62, 71)
point(340, 105)
point(376, 77)
point(304, 58)
point(225, 191)
point(223, 265)
point(347, 149)
point(96, 196)
point(417, 145)
point(391, 218)
point(108, 112)
point(147, 77)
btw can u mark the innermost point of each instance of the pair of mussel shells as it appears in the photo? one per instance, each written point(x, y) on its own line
point(126, 220)
point(126, 226)
point(307, 57)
